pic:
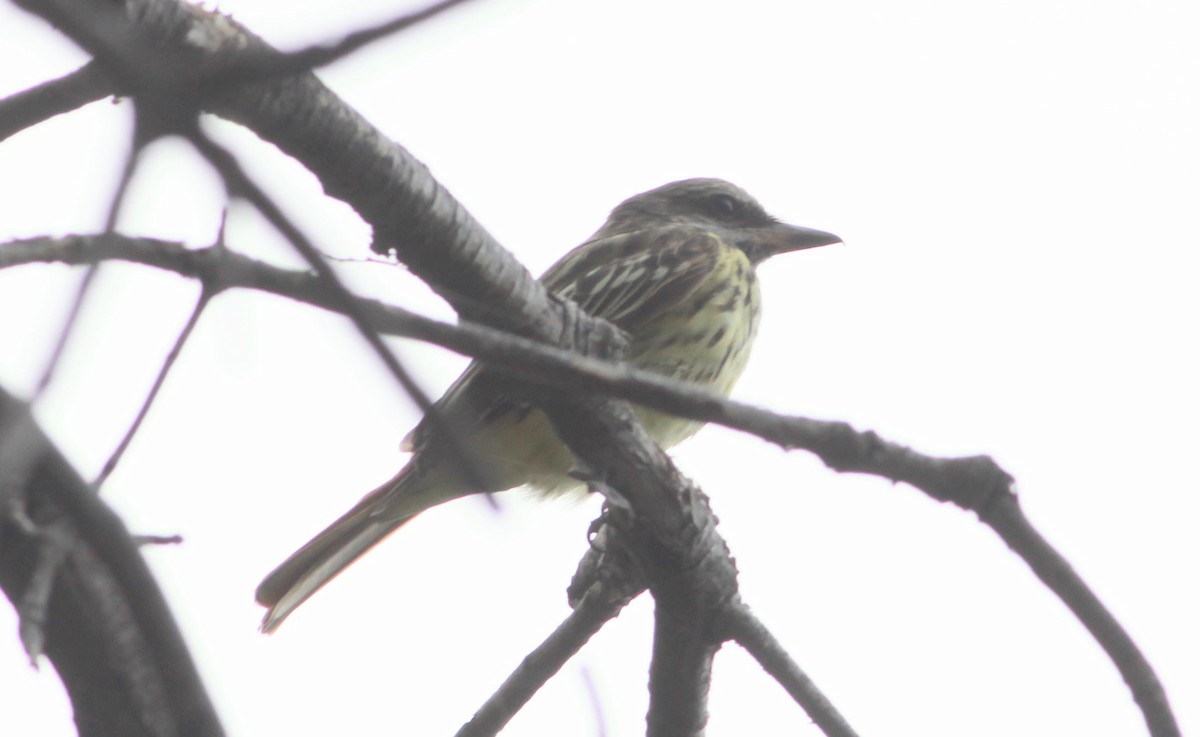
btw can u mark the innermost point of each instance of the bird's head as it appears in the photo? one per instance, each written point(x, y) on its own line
point(714, 204)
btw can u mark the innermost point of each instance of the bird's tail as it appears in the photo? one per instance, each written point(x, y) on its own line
point(379, 514)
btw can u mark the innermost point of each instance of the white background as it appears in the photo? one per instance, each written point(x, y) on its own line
point(1017, 187)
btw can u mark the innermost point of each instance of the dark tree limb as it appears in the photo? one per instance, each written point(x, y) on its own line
point(670, 530)
point(68, 327)
point(975, 484)
point(53, 542)
point(268, 64)
point(111, 464)
point(38, 104)
point(240, 183)
point(540, 665)
point(108, 630)
point(687, 564)
point(1010, 523)
point(410, 211)
point(607, 580)
point(741, 626)
point(680, 670)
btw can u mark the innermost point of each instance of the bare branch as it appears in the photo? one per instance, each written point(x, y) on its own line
point(744, 628)
point(108, 631)
point(38, 104)
point(89, 277)
point(975, 484)
point(443, 245)
point(263, 64)
point(168, 362)
point(540, 665)
point(54, 542)
point(64, 333)
point(128, 169)
point(971, 483)
point(102, 29)
point(157, 539)
point(1014, 528)
point(680, 670)
point(239, 182)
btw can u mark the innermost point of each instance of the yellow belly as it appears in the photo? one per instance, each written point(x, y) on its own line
point(706, 340)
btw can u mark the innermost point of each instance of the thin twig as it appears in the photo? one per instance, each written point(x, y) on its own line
point(89, 277)
point(261, 64)
point(540, 665)
point(1056, 573)
point(745, 629)
point(140, 540)
point(64, 333)
point(593, 694)
point(168, 362)
point(128, 169)
point(472, 466)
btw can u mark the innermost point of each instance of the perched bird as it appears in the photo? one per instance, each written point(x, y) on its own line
point(673, 268)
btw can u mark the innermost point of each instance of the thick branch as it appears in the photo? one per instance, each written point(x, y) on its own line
point(680, 670)
point(109, 632)
point(972, 483)
point(409, 210)
point(837, 443)
point(442, 244)
point(666, 522)
point(432, 233)
point(37, 104)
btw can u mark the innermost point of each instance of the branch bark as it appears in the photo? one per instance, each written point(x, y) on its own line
point(108, 630)
point(974, 484)
point(434, 235)
point(38, 104)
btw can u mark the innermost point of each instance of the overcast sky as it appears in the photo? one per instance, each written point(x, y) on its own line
point(1017, 188)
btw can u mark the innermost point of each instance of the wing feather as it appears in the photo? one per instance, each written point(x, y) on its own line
point(627, 279)
point(632, 278)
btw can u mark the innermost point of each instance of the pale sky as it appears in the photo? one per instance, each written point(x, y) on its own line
point(1016, 185)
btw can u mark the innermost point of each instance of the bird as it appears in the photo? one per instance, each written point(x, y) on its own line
point(674, 268)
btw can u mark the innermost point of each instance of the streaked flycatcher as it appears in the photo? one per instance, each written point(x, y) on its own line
point(673, 268)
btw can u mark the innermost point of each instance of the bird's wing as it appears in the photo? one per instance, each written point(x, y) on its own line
point(630, 279)
point(627, 279)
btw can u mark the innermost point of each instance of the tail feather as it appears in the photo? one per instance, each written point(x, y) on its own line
point(379, 514)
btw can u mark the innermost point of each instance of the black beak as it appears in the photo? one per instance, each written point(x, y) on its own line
point(761, 244)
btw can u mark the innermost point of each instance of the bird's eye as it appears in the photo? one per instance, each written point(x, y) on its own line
point(723, 206)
